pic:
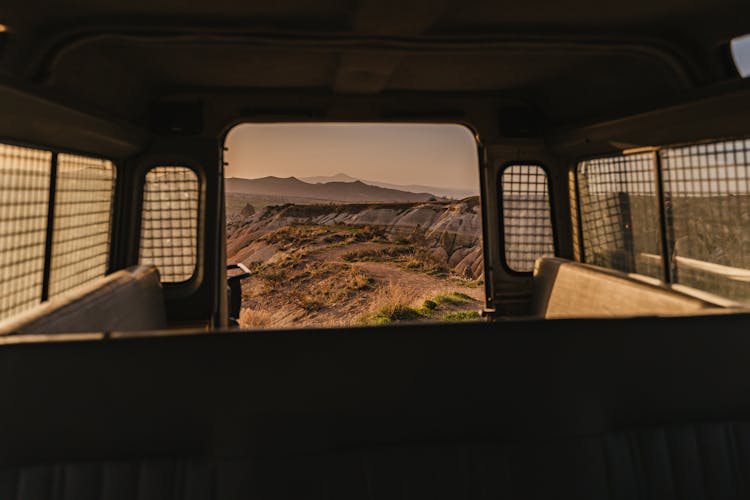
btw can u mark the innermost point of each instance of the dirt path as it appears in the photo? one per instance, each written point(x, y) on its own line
point(420, 285)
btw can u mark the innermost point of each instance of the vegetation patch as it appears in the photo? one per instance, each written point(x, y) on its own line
point(383, 254)
point(251, 318)
point(393, 304)
point(454, 298)
point(468, 283)
point(429, 305)
point(460, 316)
point(297, 235)
point(422, 262)
point(398, 313)
point(407, 256)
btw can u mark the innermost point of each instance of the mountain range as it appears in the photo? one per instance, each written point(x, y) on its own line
point(457, 193)
point(354, 191)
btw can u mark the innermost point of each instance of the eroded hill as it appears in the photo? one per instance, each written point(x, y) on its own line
point(345, 264)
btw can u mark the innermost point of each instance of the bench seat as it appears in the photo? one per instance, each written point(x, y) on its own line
point(567, 289)
point(127, 300)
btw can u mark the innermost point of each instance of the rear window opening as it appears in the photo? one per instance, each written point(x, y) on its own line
point(354, 224)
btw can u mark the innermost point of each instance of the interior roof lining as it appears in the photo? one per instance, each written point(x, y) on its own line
point(683, 67)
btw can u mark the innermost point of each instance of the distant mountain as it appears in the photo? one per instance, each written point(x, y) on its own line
point(457, 193)
point(349, 192)
point(322, 179)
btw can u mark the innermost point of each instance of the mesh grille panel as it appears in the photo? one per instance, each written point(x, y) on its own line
point(707, 204)
point(83, 217)
point(169, 223)
point(24, 202)
point(620, 213)
point(526, 216)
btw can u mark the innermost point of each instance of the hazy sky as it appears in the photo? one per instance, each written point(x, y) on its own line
point(433, 155)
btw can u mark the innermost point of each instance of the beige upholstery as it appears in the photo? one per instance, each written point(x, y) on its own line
point(127, 300)
point(566, 289)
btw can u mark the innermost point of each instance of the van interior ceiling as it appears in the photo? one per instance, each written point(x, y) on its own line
point(374, 249)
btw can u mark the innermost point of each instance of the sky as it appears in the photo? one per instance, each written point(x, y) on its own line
point(432, 155)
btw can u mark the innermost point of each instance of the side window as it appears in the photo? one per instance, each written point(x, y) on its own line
point(24, 203)
point(620, 213)
point(55, 224)
point(83, 221)
point(527, 217)
point(169, 222)
point(707, 205)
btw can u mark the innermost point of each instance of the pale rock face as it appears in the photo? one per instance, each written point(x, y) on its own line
point(458, 256)
point(374, 217)
point(261, 254)
point(453, 231)
point(439, 255)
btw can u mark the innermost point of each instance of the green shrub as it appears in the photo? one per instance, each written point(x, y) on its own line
point(460, 316)
point(429, 305)
point(453, 298)
point(397, 313)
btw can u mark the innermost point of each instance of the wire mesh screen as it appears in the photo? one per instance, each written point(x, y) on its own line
point(527, 217)
point(24, 202)
point(169, 222)
point(82, 221)
point(707, 204)
point(620, 213)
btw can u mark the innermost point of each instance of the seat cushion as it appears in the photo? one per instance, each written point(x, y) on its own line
point(563, 288)
point(128, 300)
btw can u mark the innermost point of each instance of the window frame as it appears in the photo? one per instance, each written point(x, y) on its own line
point(185, 287)
point(658, 194)
point(667, 279)
point(501, 216)
point(51, 218)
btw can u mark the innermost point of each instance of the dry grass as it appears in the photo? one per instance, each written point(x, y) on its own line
point(297, 235)
point(382, 254)
point(391, 303)
point(407, 256)
point(461, 316)
point(422, 262)
point(323, 285)
point(250, 318)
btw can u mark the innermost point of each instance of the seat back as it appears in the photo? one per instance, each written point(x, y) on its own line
point(532, 409)
point(127, 300)
point(566, 289)
point(682, 461)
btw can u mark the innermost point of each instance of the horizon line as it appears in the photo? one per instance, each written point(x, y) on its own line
point(355, 179)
